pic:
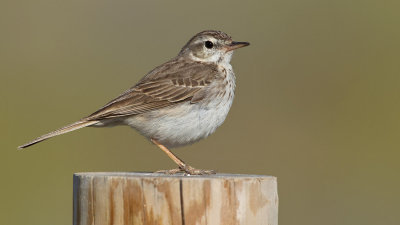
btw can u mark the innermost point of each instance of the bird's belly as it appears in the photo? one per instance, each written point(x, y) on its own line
point(181, 124)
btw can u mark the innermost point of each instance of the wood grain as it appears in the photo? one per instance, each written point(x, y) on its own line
point(157, 199)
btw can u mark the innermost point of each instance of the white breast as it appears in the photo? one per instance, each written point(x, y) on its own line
point(187, 123)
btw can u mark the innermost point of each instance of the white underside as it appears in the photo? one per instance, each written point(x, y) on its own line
point(181, 125)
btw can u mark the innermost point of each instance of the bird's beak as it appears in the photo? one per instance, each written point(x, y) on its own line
point(234, 45)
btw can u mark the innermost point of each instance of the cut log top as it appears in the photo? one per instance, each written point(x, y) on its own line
point(151, 198)
point(178, 175)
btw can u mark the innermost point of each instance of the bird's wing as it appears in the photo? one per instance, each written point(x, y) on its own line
point(169, 84)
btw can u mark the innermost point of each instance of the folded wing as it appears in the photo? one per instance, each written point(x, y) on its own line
point(161, 88)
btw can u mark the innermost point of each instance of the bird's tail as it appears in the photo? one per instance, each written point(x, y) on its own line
point(63, 130)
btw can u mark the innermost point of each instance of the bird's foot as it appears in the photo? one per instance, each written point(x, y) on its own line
point(187, 171)
point(169, 172)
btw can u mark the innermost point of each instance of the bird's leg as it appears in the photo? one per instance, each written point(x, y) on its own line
point(183, 167)
point(171, 155)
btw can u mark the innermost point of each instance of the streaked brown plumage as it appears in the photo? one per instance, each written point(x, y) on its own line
point(169, 84)
point(178, 102)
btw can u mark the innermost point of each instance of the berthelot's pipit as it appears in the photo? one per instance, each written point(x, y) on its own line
point(177, 103)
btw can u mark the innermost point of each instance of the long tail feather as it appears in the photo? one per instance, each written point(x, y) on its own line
point(63, 130)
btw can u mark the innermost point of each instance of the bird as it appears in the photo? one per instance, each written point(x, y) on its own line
point(177, 103)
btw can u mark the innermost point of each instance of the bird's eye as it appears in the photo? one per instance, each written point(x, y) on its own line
point(208, 44)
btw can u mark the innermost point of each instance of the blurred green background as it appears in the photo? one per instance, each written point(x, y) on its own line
point(317, 101)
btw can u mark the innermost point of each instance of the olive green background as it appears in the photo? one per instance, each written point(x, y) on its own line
point(317, 100)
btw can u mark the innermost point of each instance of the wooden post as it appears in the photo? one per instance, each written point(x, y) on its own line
point(158, 199)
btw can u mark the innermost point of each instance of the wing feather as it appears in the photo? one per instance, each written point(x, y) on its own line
point(168, 84)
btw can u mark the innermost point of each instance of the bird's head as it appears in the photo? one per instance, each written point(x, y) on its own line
point(211, 47)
